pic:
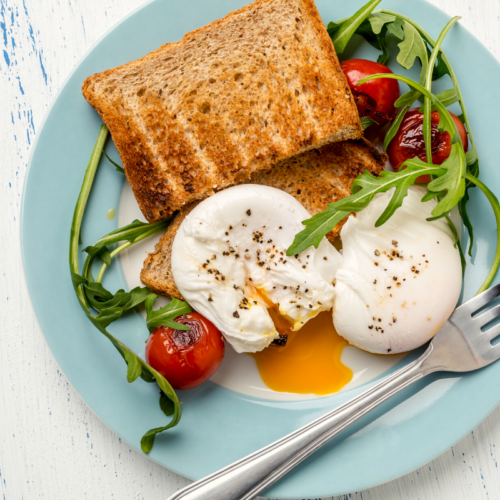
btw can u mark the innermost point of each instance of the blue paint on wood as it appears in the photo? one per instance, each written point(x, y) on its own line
point(42, 66)
point(2, 26)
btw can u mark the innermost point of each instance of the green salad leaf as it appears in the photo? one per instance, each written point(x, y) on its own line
point(364, 188)
point(412, 47)
point(366, 122)
point(133, 232)
point(166, 315)
point(450, 181)
point(379, 20)
point(447, 98)
point(147, 441)
point(92, 295)
point(166, 405)
point(341, 35)
point(440, 69)
point(396, 123)
point(458, 244)
point(495, 205)
point(396, 28)
point(117, 167)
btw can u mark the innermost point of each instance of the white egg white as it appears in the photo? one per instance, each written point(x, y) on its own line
point(398, 283)
point(229, 262)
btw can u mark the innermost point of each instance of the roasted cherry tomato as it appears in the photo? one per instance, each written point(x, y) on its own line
point(409, 140)
point(374, 99)
point(186, 358)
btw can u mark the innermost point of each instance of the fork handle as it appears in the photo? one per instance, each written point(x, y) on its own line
point(246, 478)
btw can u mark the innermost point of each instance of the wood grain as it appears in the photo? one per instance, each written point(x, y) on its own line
point(51, 445)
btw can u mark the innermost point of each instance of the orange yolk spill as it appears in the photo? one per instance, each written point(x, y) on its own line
point(309, 363)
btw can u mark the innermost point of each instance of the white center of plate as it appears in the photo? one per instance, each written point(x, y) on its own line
point(239, 372)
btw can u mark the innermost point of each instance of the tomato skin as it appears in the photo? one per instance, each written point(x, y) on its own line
point(409, 141)
point(186, 358)
point(374, 99)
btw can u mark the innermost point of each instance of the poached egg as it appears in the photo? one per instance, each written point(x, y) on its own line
point(397, 283)
point(229, 262)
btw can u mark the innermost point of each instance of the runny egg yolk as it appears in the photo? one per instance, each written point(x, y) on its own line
point(309, 363)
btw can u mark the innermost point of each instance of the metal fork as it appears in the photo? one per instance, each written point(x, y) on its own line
point(459, 346)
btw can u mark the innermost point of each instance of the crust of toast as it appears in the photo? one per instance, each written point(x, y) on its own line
point(230, 99)
point(315, 178)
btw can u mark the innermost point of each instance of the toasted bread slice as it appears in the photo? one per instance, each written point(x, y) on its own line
point(232, 98)
point(314, 178)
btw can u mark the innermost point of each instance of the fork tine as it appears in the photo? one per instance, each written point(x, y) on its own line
point(472, 305)
point(492, 332)
point(489, 315)
point(493, 353)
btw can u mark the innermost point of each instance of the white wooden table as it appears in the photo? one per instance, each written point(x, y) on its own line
point(51, 445)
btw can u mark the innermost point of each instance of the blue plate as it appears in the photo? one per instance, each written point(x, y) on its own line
point(219, 426)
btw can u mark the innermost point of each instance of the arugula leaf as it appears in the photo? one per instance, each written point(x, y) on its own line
point(316, 228)
point(374, 30)
point(167, 405)
point(344, 33)
point(377, 41)
point(133, 232)
point(117, 167)
point(166, 315)
point(427, 82)
point(366, 122)
point(430, 196)
point(332, 27)
point(136, 367)
point(440, 69)
point(473, 168)
point(149, 378)
point(105, 256)
point(457, 244)
point(97, 295)
point(447, 98)
point(495, 205)
point(396, 123)
point(77, 279)
point(471, 157)
point(374, 27)
point(453, 181)
point(378, 20)
point(396, 28)
point(382, 42)
point(137, 296)
point(446, 121)
point(148, 439)
point(449, 179)
point(411, 47)
point(407, 99)
point(364, 188)
point(462, 208)
point(108, 316)
point(100, 299)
